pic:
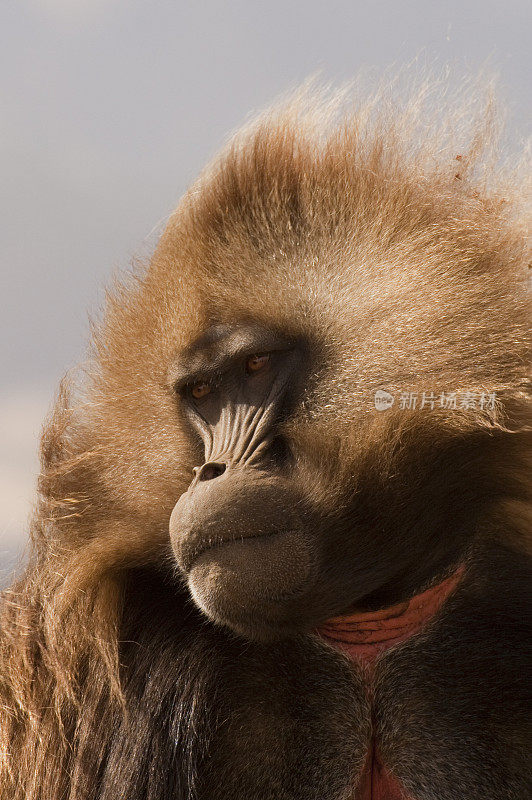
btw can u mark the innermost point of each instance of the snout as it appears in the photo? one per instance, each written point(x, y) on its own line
point(239, 538)
point(226, 505)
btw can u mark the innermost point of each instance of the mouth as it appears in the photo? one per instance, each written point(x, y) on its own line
point(213, 544)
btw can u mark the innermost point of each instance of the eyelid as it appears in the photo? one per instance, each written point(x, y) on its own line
point(183, 385)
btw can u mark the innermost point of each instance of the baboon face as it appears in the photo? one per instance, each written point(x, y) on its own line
point(290, 516)
point(272, 534)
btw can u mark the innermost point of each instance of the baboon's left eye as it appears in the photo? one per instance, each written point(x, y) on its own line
point(257, 362)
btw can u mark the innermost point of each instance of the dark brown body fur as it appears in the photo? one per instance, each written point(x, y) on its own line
point(402, 263)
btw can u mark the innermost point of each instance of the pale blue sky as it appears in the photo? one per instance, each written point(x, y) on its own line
point(110, 108)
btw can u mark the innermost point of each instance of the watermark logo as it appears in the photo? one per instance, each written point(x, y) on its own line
point(483, 401)
point(383, 400)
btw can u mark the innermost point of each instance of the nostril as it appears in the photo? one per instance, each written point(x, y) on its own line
point(210, 470)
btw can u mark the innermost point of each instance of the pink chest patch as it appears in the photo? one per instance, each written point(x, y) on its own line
point(363, 637)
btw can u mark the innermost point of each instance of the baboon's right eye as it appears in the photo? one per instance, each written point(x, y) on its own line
point(200, 389)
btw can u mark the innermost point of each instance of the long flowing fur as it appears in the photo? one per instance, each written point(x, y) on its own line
point(318, 184)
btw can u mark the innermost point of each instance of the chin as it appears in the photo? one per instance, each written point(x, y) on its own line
point(256, 586)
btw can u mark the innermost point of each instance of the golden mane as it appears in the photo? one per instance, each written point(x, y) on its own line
point(396, 206)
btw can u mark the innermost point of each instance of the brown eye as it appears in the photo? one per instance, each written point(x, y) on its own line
point(200, 390)
point(257, 362)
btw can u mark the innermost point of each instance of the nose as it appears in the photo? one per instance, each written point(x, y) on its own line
point(209, 471)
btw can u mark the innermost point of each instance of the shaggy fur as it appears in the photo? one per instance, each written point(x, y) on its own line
point(387, 236)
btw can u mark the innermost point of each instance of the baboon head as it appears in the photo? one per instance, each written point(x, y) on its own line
point(305, 271)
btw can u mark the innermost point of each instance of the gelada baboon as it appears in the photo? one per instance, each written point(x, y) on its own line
point(280, 550)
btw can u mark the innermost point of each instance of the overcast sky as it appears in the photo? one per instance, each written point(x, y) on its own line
point(110, 108)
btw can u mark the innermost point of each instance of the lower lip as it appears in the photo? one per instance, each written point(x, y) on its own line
point(210, 549)
point(258, 569)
